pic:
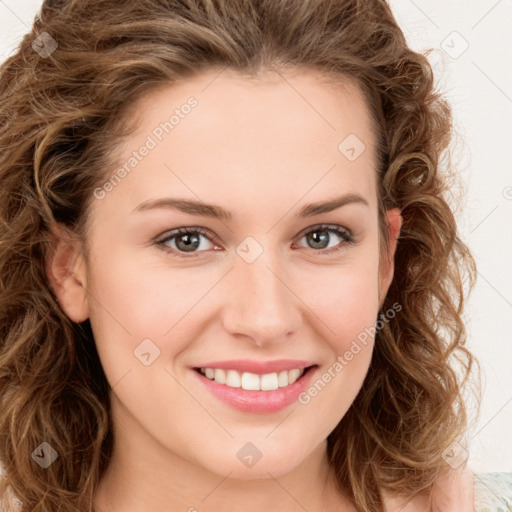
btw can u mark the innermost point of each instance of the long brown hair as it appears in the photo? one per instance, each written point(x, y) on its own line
point(61, 114)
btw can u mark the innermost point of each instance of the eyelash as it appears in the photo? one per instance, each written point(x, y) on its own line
point(343, 233)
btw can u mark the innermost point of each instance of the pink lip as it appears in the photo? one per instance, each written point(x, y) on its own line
point(259, 367)
point(258, 402)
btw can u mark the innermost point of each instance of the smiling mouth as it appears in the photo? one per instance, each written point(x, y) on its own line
point(254, 381)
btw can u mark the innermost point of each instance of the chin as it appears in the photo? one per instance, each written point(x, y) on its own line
point(245, 462)
point(259, 471)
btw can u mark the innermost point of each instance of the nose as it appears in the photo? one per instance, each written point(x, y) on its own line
point(263, 305)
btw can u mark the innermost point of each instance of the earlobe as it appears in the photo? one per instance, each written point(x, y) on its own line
point(66, 273)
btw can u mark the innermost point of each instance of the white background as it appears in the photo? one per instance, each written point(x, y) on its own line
point(478, 84)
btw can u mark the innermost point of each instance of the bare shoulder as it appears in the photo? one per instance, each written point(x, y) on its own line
point(453, 492)
point(8, 502)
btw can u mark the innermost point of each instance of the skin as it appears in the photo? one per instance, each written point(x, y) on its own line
point(176, 444)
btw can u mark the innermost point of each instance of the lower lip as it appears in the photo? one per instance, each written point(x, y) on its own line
point(258, 402)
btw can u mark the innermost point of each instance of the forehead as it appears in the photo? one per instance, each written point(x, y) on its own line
point(264, 137)
point(304, 102)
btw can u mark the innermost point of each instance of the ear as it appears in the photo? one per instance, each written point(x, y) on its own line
point(65, 268)
point(387, 265)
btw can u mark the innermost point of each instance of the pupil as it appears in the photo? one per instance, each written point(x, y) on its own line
point(191, 242)
point(322, 238)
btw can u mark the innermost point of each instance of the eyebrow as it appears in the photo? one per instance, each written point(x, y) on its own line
point(217, 212)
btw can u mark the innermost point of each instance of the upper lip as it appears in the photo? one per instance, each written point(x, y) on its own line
point(261, 367)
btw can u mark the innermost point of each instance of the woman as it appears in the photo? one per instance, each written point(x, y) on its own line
point(230, 278)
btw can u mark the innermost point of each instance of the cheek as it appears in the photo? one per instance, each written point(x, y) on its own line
point(346, 302)
point(135, 301)
point(350, 311)
point(145, 297)
point(345, 298)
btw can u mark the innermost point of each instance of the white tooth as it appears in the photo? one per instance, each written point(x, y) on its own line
point(233, 379)
point(220, 376)
point(293, 375)
point(283, 379)
point(250, 381)
point(269, 382)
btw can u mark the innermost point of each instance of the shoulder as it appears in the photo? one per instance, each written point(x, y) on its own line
point(453, 491)
point(493, 492)
point(8, 502)
point(465, 490)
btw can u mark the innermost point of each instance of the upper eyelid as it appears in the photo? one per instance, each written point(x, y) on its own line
point(326, 226)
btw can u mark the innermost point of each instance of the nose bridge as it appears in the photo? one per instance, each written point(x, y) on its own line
point(262, 306)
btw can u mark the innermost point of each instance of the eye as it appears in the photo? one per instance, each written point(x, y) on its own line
point(183, 240)
point(188, 240)
point(320, 236)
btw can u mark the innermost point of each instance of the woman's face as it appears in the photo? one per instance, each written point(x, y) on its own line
point(261, 284)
